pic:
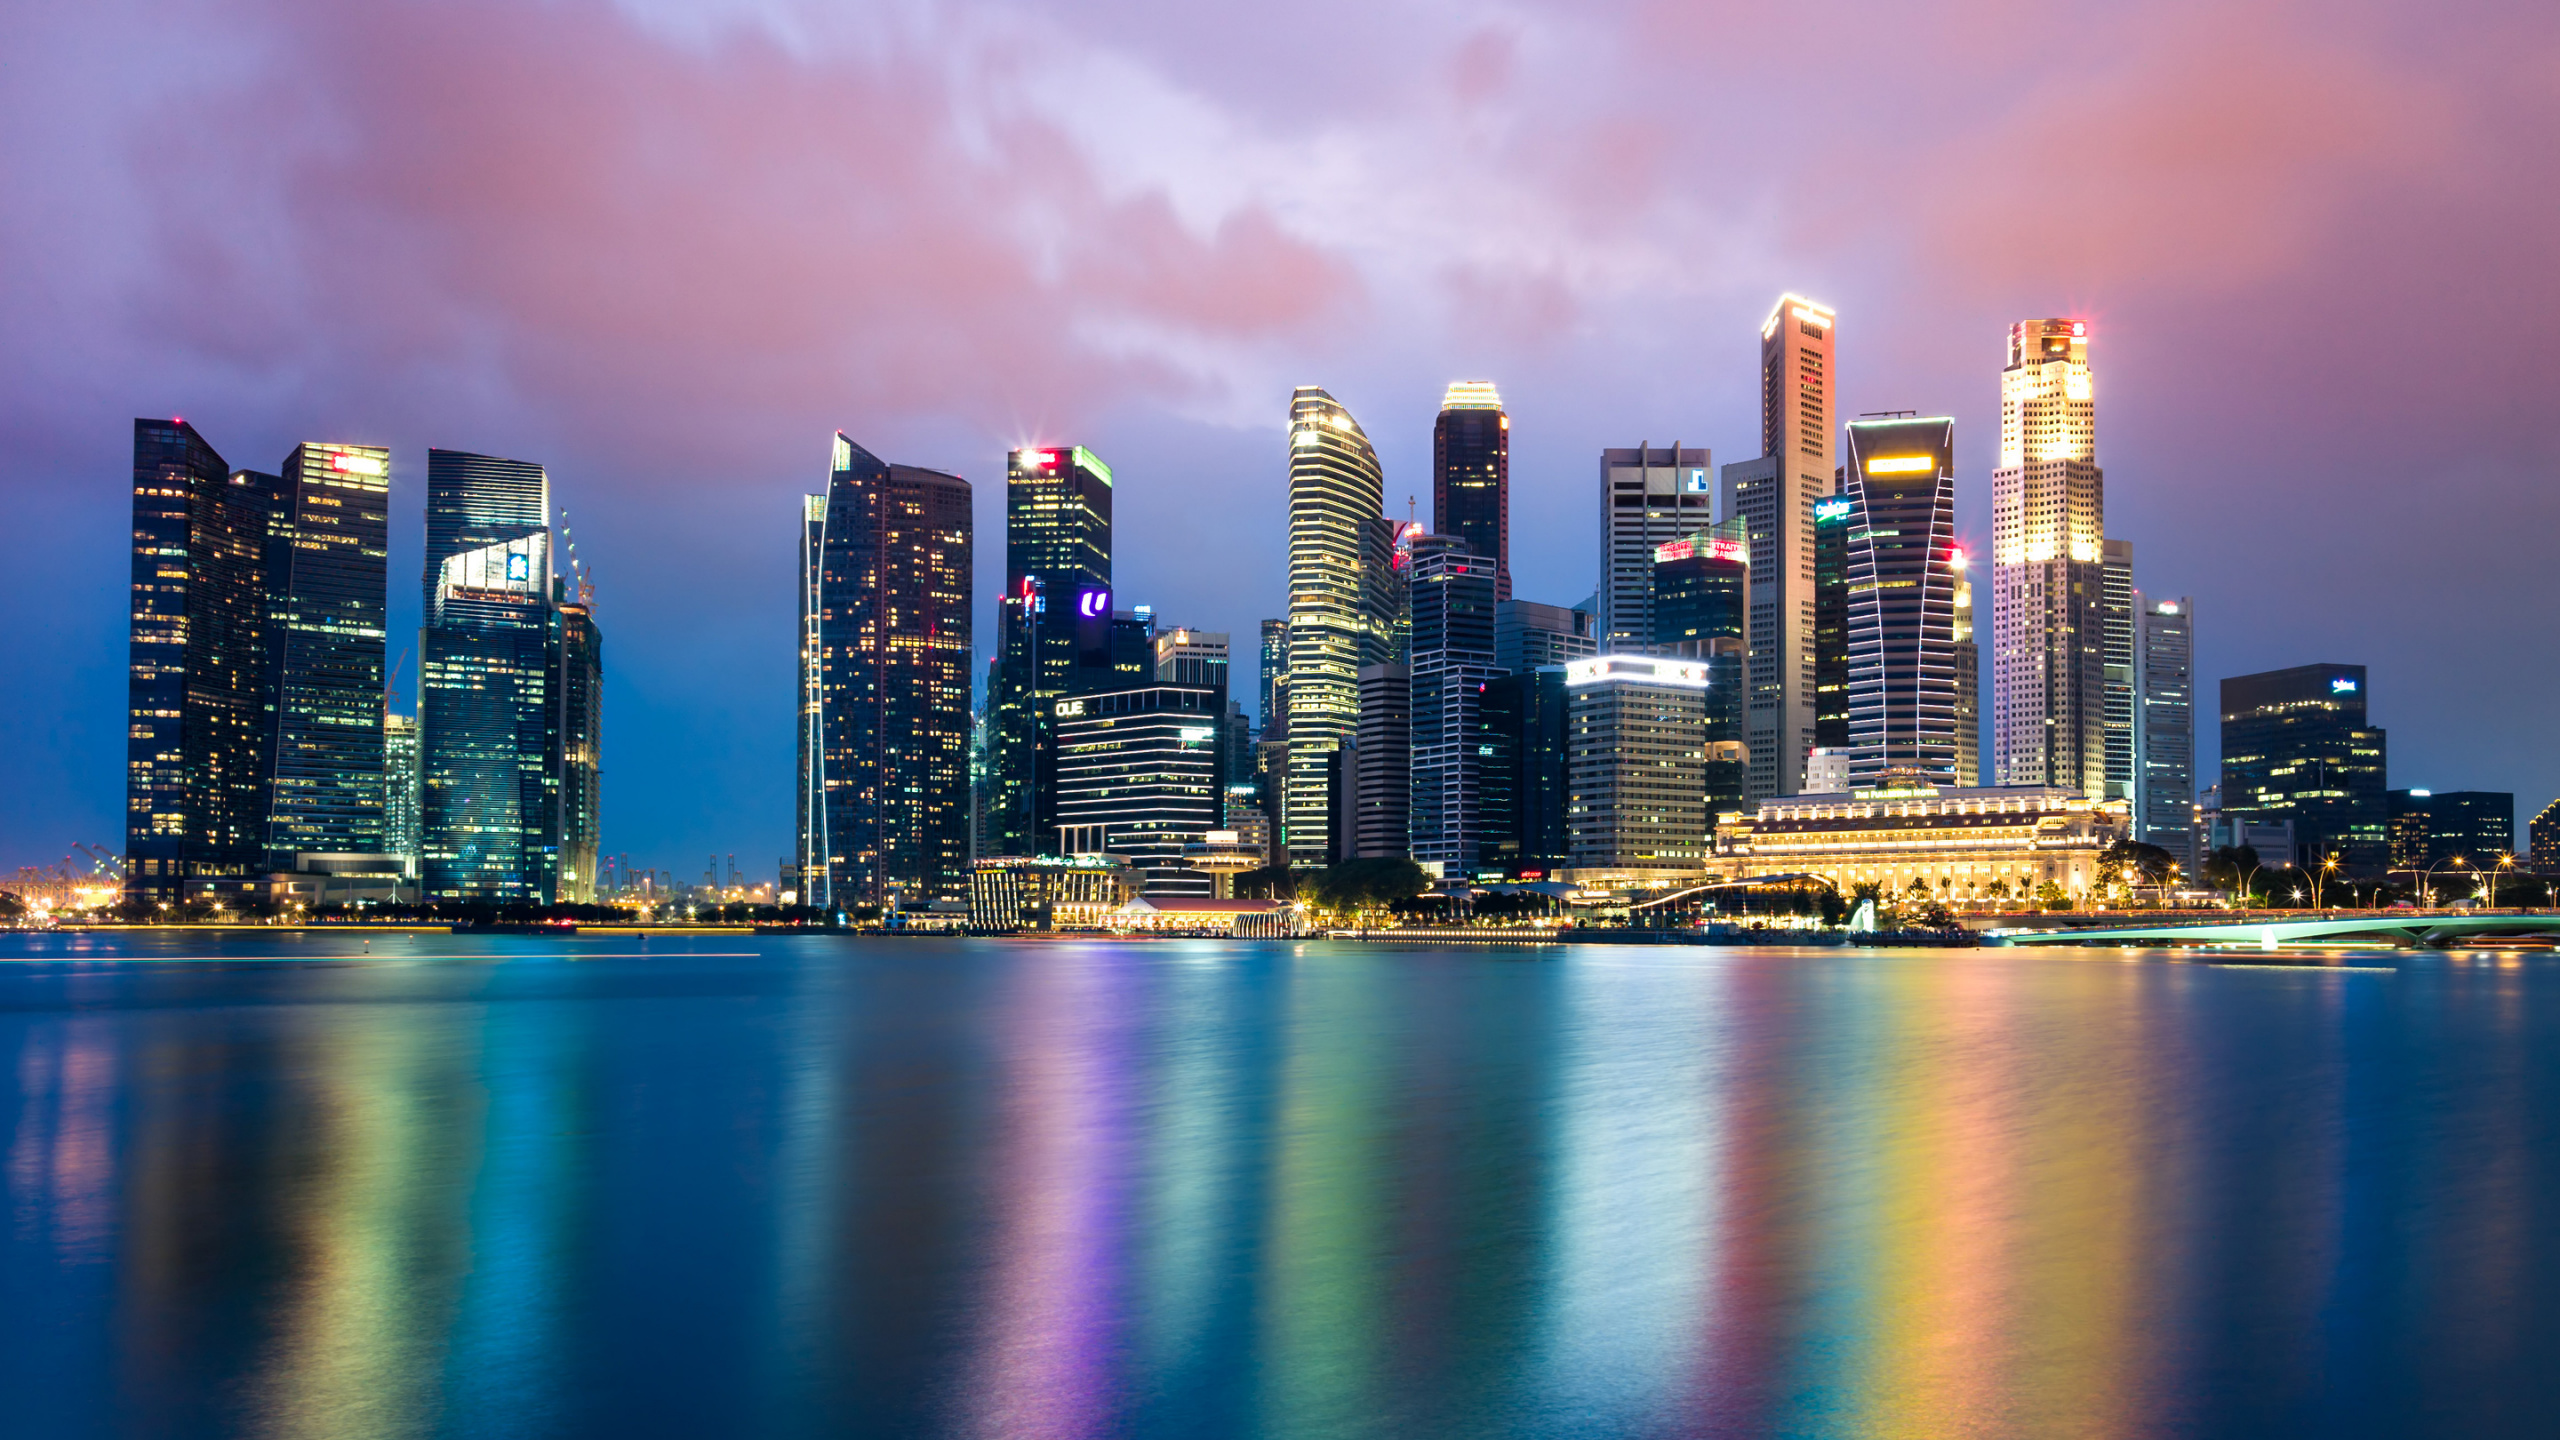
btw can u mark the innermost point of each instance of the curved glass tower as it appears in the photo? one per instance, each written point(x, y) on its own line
point(1336, 624)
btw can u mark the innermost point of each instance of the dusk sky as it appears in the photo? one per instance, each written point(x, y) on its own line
point(666, 250)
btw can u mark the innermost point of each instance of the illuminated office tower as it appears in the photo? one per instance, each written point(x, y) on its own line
point(1636, 798)
point(1831, 624)
point(328, 574)
point(1968, 656)
point(1274, 680)
point(2048, 567)
point(1198, 660)
point(1776, 495)
point(1339, 621)
point(1138, 778)
point(1701, 611)
point(2165, 729)
point(1471, 475)
point(1054, 630)
point(809, 814)
point(1902, 571)
point(194, 748)
point(488, 698)
point(400, 817)
point(1648, 498)
point(888, 685)
point(2297, 746)
point(1453, 600)
point(2119, 626)
point(577, 688)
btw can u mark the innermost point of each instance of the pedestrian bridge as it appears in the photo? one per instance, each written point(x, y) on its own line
point(2425, 930)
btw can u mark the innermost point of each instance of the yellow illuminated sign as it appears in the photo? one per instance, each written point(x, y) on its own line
point(1902, 464)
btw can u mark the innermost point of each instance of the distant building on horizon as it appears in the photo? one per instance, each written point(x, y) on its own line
point(2296, 746)
point(2544, 839)
point(1471, 475)
point(2048, 567)
point(1902, 575)
point(1775, 494)
point(885, 672)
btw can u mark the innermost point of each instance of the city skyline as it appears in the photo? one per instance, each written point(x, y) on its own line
point(2377, 403)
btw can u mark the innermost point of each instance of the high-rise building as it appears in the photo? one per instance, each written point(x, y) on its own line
point(2544, 833)
point(1775, 495)
point(2296, 746)
point(1831, 625)
point(1648, 498)
point(891, 679)
point(1702, 611)
point(1471, 475)
point(578, 689)
point(1526, 776)
point(2048, 567)
point(1453, 601)
point(1055, 630)
point(809, 815)
point(1902, 573)
point(400, 815)
point(2433, 827)
point(2118, 604)
point(1379, 769)
point(1198, 660)
point(2165, 730)
point(1138, 779)
point(1133, 649)
point(196, 737)
point(489, 717)
point(1636, 801)
point(327, 572)
point(1337, 597)
point(1274, 696)
point(1527, 635)
point(1968, 658)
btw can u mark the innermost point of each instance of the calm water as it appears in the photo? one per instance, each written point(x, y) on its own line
point(967, 1188)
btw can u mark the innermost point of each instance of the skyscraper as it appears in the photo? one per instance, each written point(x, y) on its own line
point(1379, 767)
point(1138, 779)
point(2165, 729)
point(327, 573)
point(1776, 495)
point(1968, 658)
point(578, 689)
point(1054, 630)
point(1453, 599)
point(2048, 571)
point(1274, 680)
point(2119, 623)
point(1528, 634)
point(1831, 623)
point(1701, 611)
point(1648, 498)
point(400, 815)
point(1337, 623)
point(196, 728)
point(488, 700)
point(1471, 475)
point(809, 815)
point(1902, 582)
point(889, 715)
point(2296, 746)
point(1636, 773)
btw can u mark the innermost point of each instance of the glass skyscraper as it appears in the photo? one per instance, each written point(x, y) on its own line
point(1054, 632)
point(579, 693)
point(489, 725)
point(327, 572)
point(1471, 475)
point(1339, 593)
point(2165, 729)
point(885, 671)
point(195, 737)
point(2296, 746)
point(1453, 590)
point(1701, 611)
point(1902, 575)
point(400, 816)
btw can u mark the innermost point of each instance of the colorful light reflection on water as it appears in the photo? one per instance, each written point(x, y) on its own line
point(996, 1189)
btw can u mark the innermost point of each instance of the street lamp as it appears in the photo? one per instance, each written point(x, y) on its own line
point(2505, 862)
point(2328, 868)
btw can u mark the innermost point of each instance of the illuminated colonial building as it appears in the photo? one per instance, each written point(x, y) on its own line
point(1954, 844)
point(2048, 571)
point(1776, 495)
point(1344, 606)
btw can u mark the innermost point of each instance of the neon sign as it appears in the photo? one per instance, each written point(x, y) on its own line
point(1093, 603)
point(2343, 685)
point(356, 464)
point(1830, 509)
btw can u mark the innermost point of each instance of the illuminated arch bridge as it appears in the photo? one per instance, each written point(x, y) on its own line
point(2416, 931)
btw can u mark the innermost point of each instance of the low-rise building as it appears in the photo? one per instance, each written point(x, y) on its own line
point(1961, 844)
point(1012, 893)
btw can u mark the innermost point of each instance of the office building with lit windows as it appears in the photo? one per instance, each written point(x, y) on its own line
point(886, 677)
point(196, 736)
point(1902, 574)
point(1701, 611)
point(1648, 498)
point(1775, 495)
point(2048, 566)
point(578, 690)
point(1055, 631)
point(2296, 747)
point(1471, 475)
point(1636, 801)
point(1453, 590)
point(2436, 827)
point(1138, 780)
point(2165, 729)
point(1345, 606)
point(1831, 628)
point(1968, 658)
point(2120, 627)
point(1527, 750)
point(327, 573)
point(1528, 634)
point(400, 815)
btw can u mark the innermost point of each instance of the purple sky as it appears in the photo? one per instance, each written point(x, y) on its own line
point(666, 250)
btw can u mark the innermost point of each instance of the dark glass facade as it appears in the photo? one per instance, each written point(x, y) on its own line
point(2430, 828)
point(1702, 611)
point(2295, 746)
point(1452, 597)
point(475, 501)
point(1523, 720)
point(195, 737)
point(1831, 622)
point(1054, 631)
point(888, 695)
point(1902, 576)
point(579, 686)
point(327, 573)
point(1471, 477)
